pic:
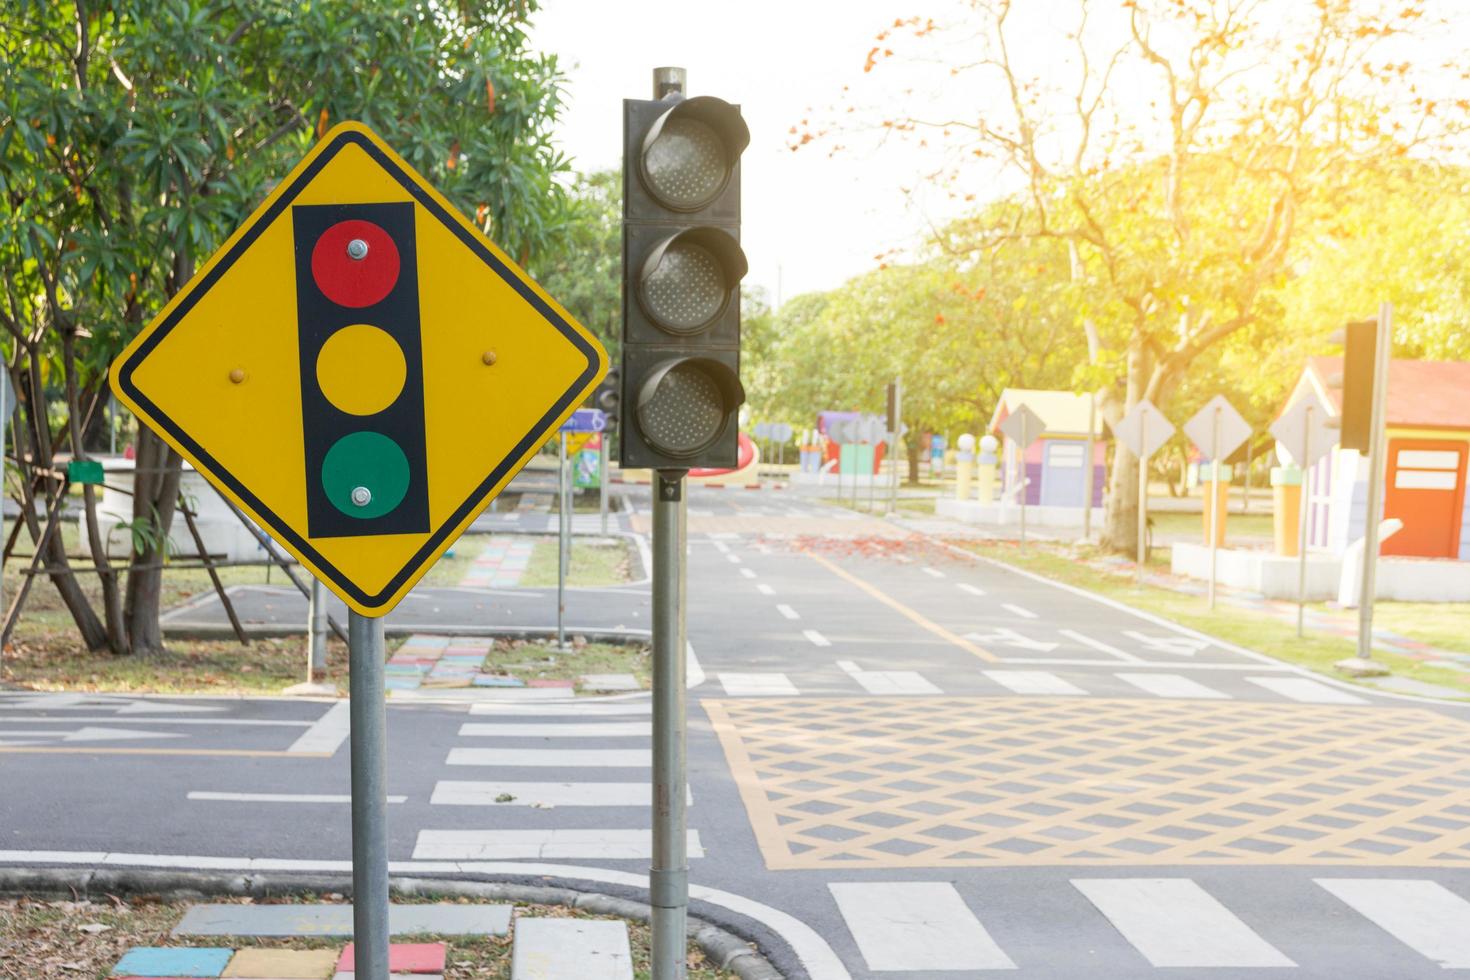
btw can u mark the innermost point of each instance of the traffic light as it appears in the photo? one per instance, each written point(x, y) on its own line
point(358, 321)
point(682, 266)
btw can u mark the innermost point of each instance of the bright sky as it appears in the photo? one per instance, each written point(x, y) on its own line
point(809, 221)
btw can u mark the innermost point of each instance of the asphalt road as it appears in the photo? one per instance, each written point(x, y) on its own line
point(903, 762)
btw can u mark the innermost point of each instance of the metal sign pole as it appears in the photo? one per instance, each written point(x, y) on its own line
point(1142, 497)
point(369, 740)
point(1303, 512)
point(1376, 452)
point(602, 441)
point(1215, 501)
point(897, 429)
point(668, 874)
point(1025, 432)
point(316, 668)
point(561, 542)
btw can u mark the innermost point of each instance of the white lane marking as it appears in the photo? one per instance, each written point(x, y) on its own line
point(1175, 922)
point(747, 572)
point(602, 729)
point(562, 710)
point(721, 547)
point(1088, 641)
point(460, 792)
point(787, 611)
point(932, 572)
point(279, 797)
point(1033, 682)
point(967, 587)
point(916, 925)
point(572, 758)
point(757, 684)
point(1171, 686)
point(733, 559)
point(764, 589)
point(1166, 665)
point(821, 962)
point(86, 733)
point(66, 719)
point(328, 733)
point(556, 842)
point(1423, 915)
point(1306, 690)
point(816, 638)
point(1184, 646)
point(1018, 610)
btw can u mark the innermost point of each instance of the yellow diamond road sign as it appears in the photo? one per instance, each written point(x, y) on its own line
point(359, 369)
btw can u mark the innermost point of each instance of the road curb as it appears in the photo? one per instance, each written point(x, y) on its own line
point(724, 947)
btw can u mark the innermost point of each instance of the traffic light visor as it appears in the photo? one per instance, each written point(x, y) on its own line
point(685, 403)
point(688, 278)
point(690, 151)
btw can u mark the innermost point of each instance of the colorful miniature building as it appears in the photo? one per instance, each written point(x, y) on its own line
point(1054, 463)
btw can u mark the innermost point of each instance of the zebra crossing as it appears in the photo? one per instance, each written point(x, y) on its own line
point(594, 757)
point(1235, 684)
point(1169, 923)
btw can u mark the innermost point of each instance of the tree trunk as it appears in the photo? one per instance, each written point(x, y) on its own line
point(912, 448)
point(155, 494)
point(1120, 518)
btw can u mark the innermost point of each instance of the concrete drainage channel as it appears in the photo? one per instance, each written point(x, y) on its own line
point(722, 947)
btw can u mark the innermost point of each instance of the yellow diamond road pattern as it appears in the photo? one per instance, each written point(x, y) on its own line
point(963, 782)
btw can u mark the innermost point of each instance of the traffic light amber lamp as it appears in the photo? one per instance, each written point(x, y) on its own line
point(685, 405)
point(689, 152)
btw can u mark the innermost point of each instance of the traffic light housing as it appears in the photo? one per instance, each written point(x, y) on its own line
point(358, 320)
point(682, 267)
point(608, 396)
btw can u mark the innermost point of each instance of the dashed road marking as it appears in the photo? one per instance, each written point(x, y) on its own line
point(932, 572)
point(1021, 611)
point(787, 611)
point(967, 587)
point(747, 572)
point(764, 589)
point(816, 638)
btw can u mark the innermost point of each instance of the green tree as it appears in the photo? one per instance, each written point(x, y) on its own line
point(584, 272)
point(135, 135)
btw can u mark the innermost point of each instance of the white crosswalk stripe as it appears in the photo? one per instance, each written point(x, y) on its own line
point(1306, 690)
point(572, 758)
point(554, 842)
point(1171, 686)
point(1423, 915)
point(1033, 682)
point(889, 681)
point(467, 792)
point(757, 684)
point(604, 729)
point(1174, 922)
point(916, 925)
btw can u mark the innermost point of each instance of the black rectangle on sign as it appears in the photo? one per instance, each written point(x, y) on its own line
point(400, 422)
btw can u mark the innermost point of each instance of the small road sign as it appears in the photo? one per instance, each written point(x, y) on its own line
point(1143, 429)
point(781, 431)
point(588, 420)
point(359, 369)
point(1217, 430)
point(1023, 426)
point(1302, 429)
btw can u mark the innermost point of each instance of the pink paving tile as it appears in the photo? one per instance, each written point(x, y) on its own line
point(403, 958)
point(550, 682)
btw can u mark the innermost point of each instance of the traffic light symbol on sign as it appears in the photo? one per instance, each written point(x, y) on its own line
point(362, 390)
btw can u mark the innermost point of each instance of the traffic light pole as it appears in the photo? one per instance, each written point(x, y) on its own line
point(562, 530)
point(668, 876)
point(369, 741)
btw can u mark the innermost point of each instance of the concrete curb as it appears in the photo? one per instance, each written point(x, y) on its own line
point(723, 947)
point(212, 631)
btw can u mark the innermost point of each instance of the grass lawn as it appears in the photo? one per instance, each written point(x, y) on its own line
point(538, 659)
point(1191, 527)
point(50, 940)
point(1247, 628)
point(595, 562)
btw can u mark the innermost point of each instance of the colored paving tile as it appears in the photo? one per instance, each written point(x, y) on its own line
point(231, 919)
point(403, 958)
point(158, 961)
point(282, 964)
point(498, 680)
point(550, 682)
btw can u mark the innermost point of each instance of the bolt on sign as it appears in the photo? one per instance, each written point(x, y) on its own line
point(359, 369)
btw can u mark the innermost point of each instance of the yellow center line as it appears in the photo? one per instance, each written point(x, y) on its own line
point(903, 610)
point(79, 750)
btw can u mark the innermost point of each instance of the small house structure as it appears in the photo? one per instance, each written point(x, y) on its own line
point(1055, 463)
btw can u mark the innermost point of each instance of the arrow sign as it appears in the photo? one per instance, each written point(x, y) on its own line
point(1009, 637)
point(1023, 426)
point(1217, 430)
point(1303, 432)
point(1144, 429)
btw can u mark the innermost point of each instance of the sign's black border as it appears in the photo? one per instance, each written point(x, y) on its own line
point(538, 434)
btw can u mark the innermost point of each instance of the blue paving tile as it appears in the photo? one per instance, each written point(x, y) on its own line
point(157, 961)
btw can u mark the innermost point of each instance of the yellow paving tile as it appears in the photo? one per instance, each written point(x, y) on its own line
point(962, 782)
point(283, 964)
